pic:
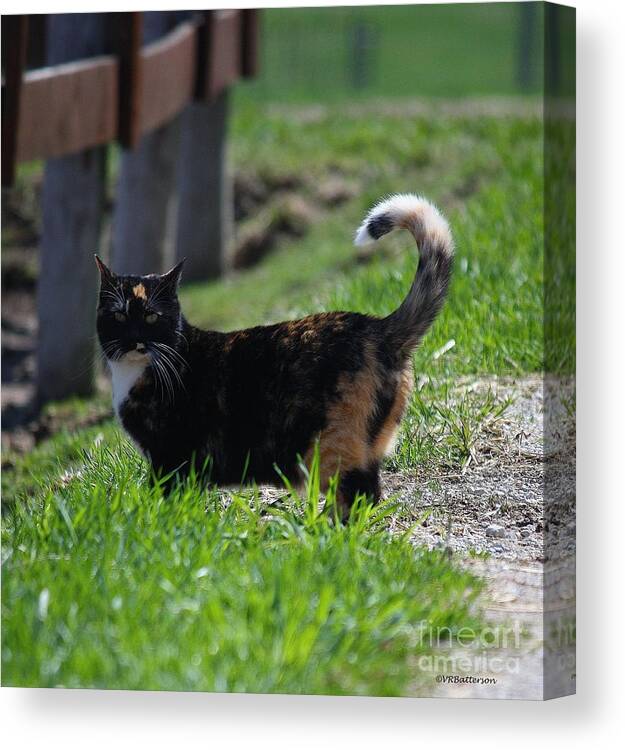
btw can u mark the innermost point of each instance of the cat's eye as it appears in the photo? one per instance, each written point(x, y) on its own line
point(151, 318)
point(120, 317)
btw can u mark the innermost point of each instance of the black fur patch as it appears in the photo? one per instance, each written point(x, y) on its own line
point(360, 482)
point(411, 321)
point(251, 400)
point(379, 226)
point(384, 400)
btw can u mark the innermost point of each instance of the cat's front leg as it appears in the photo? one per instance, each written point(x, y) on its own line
point(363, 482)
point(166, 474)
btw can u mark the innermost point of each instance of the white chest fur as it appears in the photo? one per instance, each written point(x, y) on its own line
point(125, 373)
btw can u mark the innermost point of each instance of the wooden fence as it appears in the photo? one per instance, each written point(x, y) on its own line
point(157, 83)
point(62, 109)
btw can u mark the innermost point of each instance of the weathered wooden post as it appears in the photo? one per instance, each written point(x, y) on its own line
point(146, 182)
point(227, 49)
point(205, 197)
point(14, 43)
point(73, 205)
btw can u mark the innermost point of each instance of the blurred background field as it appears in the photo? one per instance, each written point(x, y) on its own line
point(317, 54)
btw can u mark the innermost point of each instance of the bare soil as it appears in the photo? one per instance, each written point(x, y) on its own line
point(498, 505)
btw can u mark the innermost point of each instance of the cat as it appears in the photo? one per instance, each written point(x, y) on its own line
point(250, 405)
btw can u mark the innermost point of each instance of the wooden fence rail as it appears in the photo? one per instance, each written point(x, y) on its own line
point(63, 109)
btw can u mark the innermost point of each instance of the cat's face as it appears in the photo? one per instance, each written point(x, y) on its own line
point(138, 316)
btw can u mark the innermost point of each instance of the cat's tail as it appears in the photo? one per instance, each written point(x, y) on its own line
point(409, 323)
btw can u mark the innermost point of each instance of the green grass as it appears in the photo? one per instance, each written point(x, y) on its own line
point(441, 428)
point(107, 584)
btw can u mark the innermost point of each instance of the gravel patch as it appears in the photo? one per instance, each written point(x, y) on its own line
point(516, 501)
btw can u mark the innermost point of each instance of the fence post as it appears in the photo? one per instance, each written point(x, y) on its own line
point(129, 34)
point(145, 186)
point(205, 193)
point(250, 39)
point(227, 45)
point(14, 42)
point(72, 206)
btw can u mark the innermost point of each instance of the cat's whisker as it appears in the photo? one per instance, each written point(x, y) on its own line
point(171, 370)
point(170, 385)
point(171, 351)
point(165, 377)
point(112, 349)
point(159, 377)
point(168, 354)
point(181, 361)
point(167, 380)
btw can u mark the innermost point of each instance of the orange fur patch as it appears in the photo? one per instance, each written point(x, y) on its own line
point(385, 439)
point(139, 291)
point(343, 443)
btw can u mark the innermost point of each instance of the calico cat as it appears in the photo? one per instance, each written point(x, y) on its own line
point(250, 402)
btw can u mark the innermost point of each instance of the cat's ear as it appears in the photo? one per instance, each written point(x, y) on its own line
point(172, 277)
point(107, 277)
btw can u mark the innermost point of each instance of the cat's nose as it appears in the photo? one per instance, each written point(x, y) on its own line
point(141, 348)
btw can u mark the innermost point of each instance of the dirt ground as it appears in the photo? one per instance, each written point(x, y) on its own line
point(498, 505)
